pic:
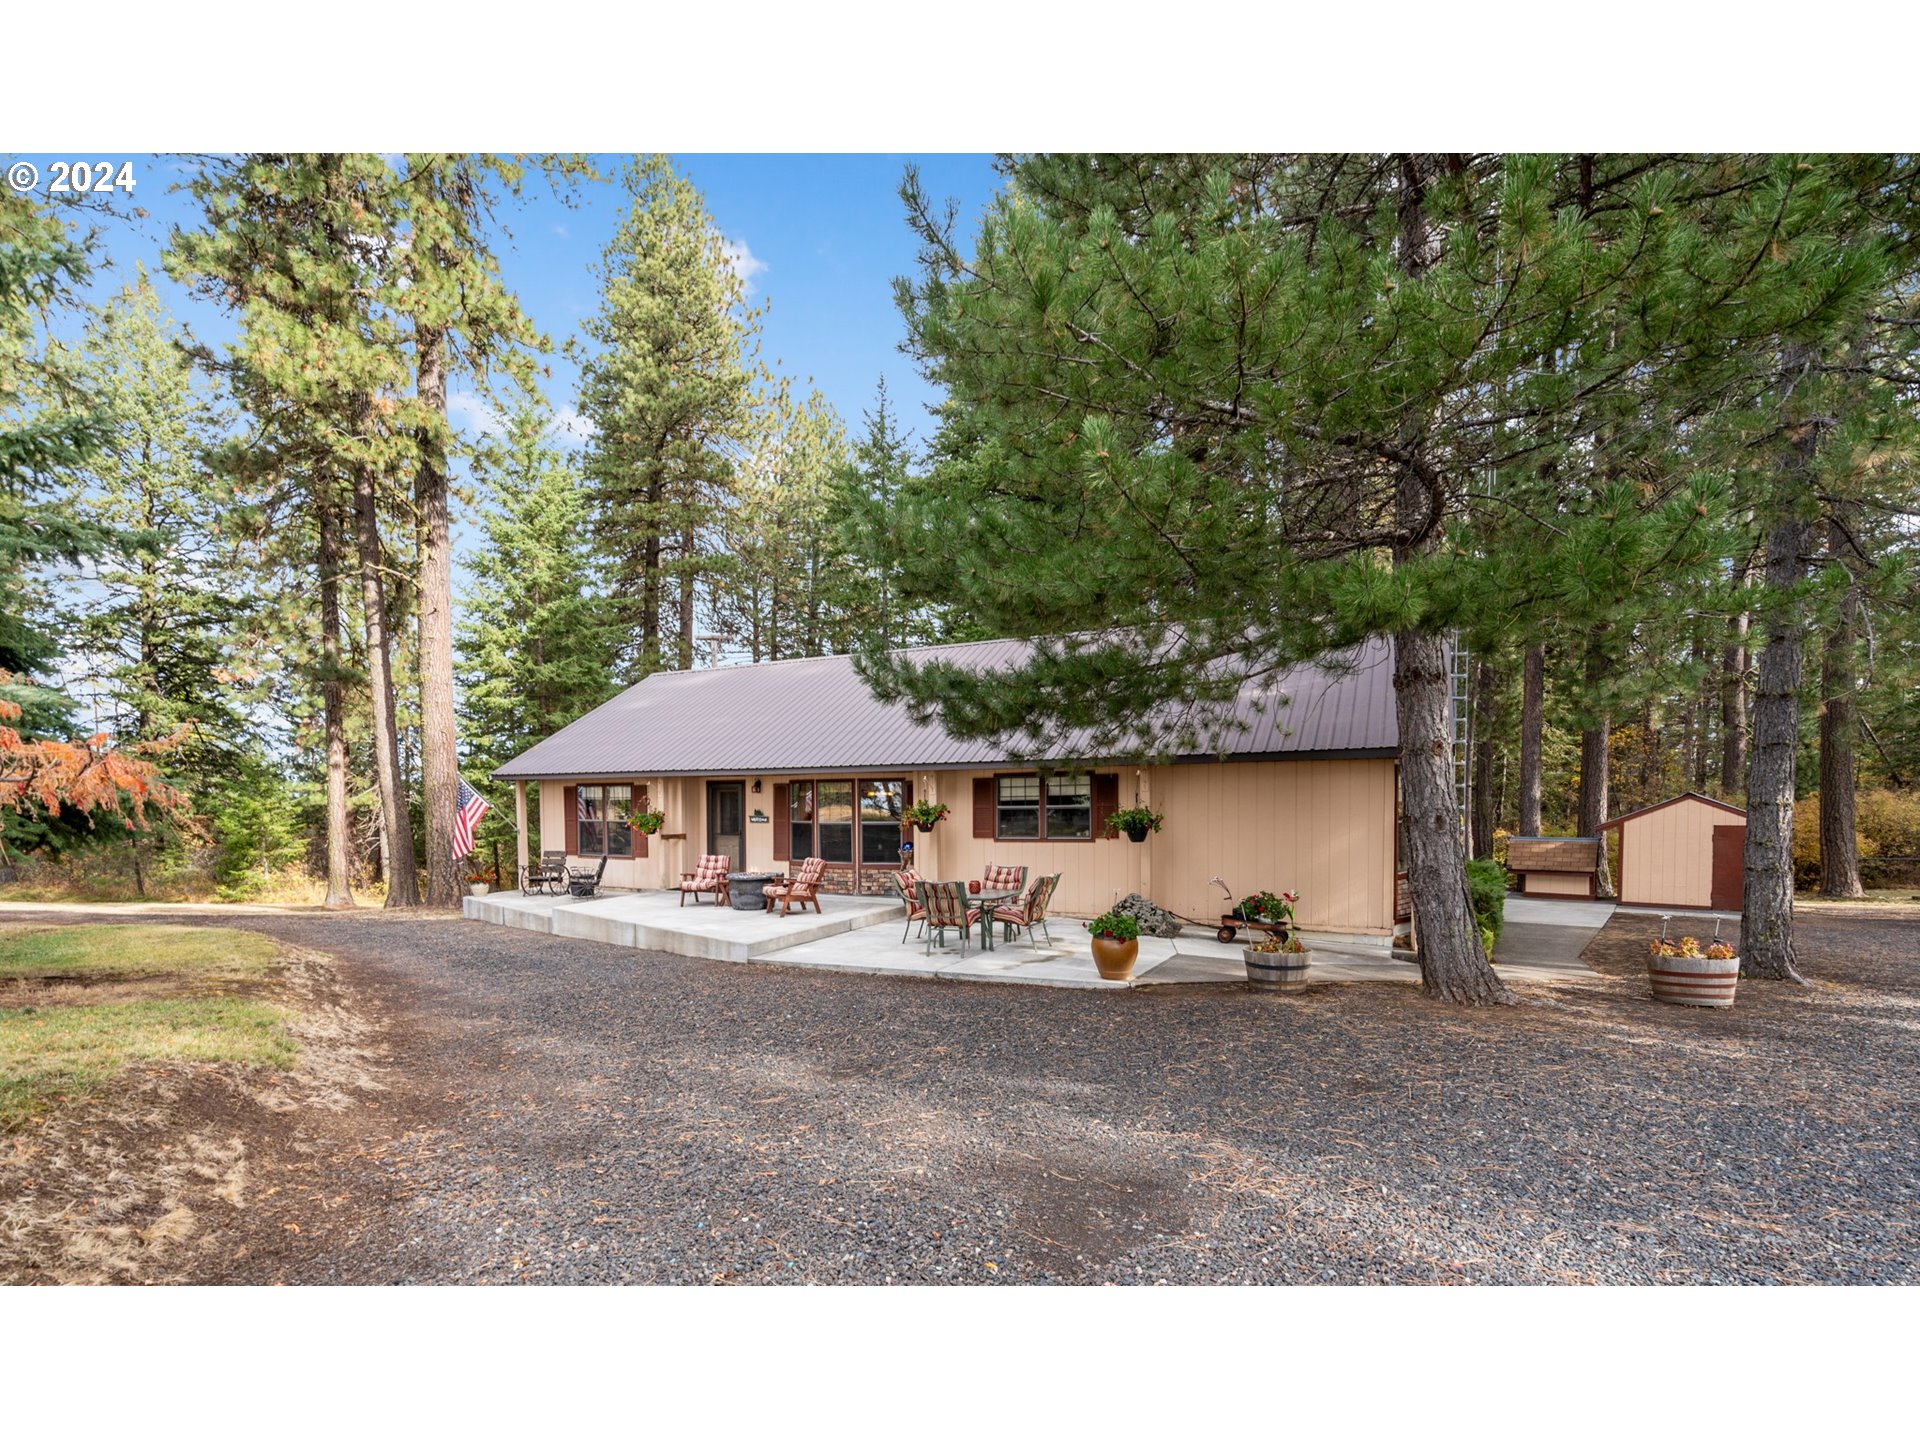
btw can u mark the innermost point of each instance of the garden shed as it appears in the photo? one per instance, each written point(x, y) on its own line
point(1555, 867)
point(1688, 853)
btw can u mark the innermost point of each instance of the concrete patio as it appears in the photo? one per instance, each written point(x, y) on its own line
point(862, 934)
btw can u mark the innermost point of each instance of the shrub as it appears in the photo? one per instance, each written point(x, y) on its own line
point(1115, 927)
point(1886, 822)
point(1487, 889)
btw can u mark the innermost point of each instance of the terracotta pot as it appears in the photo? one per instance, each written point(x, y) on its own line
point(1694, 979)
point(1114, 958)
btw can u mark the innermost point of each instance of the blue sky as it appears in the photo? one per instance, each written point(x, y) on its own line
point(823, 236)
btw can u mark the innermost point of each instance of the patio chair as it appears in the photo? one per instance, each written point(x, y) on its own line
point(1004, 877)
point(1029, 911)
point(908, 883)
point(545, 876)
point(586, 882)
point(801, 886)
point(710, 875)
point(945, 902)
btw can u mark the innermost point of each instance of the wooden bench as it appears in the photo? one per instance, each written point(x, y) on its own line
point(1555, 867)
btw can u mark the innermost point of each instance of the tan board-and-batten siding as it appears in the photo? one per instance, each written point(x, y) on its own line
point(1324, 828)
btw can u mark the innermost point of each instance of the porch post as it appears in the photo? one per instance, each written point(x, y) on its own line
point(520, 829)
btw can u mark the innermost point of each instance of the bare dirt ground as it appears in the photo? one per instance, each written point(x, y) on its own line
point(480, 1105)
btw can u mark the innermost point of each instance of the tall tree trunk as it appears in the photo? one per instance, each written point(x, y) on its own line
point(1596, 755)
point(403, 876)
point(1839, 842)
point(1482, 792)
point(1699, 719)
point(686, 599)
point(1533, 721)
point(439, 757)
point(1733, 697)
point(1766, 922)
point(333, 703)
point(1453, 964)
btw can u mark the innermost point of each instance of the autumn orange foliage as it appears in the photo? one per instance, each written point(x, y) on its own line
point(91, 775)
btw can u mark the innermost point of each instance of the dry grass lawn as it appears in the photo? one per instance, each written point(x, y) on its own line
point(81, 1003)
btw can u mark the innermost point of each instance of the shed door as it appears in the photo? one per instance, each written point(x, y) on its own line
point(1729, 866)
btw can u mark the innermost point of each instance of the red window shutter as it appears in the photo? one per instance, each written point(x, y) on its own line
point(639, 836)
point(983, 808)
point(1106, 800)
point(782, 823)
point(570, 819)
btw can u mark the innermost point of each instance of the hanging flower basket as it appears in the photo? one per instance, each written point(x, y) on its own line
point(926, 814)
point(1136, 823)
point(649, 821)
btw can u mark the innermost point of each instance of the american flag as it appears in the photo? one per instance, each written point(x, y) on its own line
point(472, 807)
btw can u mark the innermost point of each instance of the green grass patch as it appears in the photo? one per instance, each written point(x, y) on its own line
point(66, 1050)
point(53, 1052)
point(188, 951)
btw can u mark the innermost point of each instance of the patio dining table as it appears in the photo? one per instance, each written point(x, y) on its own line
point(987, 898)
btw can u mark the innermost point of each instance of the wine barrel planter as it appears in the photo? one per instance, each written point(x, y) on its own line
point(1276, 969)
point(1694, 979)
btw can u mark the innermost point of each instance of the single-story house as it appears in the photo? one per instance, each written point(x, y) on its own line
point(771, 763)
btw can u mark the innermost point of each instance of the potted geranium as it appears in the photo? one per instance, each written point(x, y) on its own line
point(925, 814)
point(1137, 822)
point(1278, 960)
point(1685, 972)
point(479, 881)
point(1116, 945)
point(648, 821)
point(1269, 908)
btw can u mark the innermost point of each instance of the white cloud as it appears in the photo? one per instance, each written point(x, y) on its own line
point(471, 413)
point(745, 263)
point(570, 424)
point(562, 232)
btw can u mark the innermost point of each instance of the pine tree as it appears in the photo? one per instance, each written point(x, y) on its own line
point(302, 247)
point(153, 631)
point(671, 394)
point(539, 642)
point(1244, 409)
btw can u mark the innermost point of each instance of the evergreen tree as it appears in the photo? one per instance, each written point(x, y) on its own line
point(671, 393)
point(539, 642)
point(1245, 409)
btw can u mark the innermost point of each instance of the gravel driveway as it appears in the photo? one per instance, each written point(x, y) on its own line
point(559, 1111)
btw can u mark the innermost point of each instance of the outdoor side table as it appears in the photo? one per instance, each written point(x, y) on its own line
point(748, 888)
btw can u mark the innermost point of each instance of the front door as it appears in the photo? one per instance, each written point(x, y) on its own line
point(1729, 867)
point(727, 821)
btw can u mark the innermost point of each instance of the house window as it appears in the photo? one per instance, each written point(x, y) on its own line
point(604, 815)
point(835, 799)
point(1054, 807)
point(881, 805)
point(800, 818)
point(838, 820)
point(1017, 811)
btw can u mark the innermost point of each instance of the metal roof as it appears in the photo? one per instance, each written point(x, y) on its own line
point(816, 715)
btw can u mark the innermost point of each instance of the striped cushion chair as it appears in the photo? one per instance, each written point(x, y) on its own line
point(907, 882)
point(1004, 877)
point(709, 875)
point(945, 902)
point(1030, 910)
point(799, 888)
